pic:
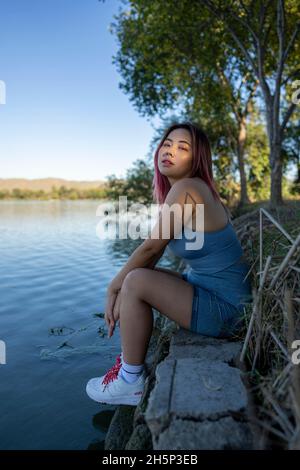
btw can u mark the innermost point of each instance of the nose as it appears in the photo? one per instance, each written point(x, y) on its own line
point(168, 152)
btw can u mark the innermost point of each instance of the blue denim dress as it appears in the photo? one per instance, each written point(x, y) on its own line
point(217, 273)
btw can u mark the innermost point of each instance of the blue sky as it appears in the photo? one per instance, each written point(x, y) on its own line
point(64, 114)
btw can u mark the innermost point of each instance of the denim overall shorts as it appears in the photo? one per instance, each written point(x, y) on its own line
point(217, 273)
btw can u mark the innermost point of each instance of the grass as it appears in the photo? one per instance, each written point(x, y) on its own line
point(272, 322)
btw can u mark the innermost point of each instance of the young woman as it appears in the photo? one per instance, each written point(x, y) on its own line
point(208, 298)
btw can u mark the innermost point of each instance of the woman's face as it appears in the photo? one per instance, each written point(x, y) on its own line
point(177, 148)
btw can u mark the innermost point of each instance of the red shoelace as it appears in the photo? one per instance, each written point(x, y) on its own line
point(113, 372)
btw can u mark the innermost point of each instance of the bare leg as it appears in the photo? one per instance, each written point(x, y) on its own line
point(136, 324)
point(143, 289)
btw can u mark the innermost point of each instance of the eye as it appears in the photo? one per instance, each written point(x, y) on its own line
point(166, 144)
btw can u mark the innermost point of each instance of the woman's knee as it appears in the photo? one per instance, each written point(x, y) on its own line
point(132, 281)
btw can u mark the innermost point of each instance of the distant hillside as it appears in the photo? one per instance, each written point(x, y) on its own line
point(46, 184)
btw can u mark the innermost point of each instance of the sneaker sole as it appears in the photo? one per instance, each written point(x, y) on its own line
point(115, 400)
point(121, 400)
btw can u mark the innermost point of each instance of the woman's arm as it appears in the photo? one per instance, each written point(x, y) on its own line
point(141, 257)
point(152, 264)
point(155, 259)
point(165, 229)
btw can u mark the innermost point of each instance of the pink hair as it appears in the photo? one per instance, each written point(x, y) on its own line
point(201, 166)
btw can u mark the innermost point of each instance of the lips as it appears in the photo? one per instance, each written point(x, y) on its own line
point(166, 161)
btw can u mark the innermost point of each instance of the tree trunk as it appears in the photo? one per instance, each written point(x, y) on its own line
point(275, 143)
point(240, 154)
point(276, 176)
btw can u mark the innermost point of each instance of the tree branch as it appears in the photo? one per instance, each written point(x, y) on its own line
point(280, 26)
point(244, 23)
point(219, 14)
point(250, 96)
point(287, 117)
point(292, 40)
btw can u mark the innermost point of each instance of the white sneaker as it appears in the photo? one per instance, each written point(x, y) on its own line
point(111, 388)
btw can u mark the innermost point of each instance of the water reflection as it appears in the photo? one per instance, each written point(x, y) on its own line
point(54, 274)
point(101, 422)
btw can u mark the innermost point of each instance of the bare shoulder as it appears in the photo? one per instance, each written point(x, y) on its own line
point(201, 185)
point(192, 188)
point(187, 192)
point(216, 213)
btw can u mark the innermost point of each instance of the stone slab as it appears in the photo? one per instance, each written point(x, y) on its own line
point(203, 389)
point(226, 352)
point(157, 413)
point(223, 434)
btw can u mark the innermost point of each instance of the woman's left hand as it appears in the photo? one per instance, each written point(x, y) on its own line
point(112, 294)
point(114, 286)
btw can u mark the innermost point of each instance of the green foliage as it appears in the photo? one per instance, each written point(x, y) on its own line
point(115, 187)
point(162, 63)
point(4, 194)
point(201, 57)
point(257, 159)
point(137, 185)
point(56, 193)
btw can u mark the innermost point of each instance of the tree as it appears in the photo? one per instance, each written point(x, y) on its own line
point(265, 33)
point(261, 35)
point(139, 180)
point(162, 61)
point(114, 187)
point(137, 185)
point(291, 149)
point(256, 154)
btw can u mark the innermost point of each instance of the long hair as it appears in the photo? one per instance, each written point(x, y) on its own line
point(201, 166)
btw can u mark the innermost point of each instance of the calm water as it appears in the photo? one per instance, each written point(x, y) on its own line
point(54, 275)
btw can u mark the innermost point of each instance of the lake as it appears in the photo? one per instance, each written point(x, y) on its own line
point(54, 274)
